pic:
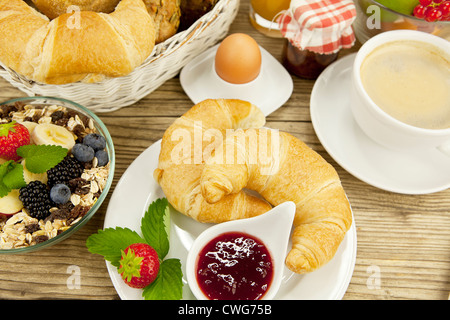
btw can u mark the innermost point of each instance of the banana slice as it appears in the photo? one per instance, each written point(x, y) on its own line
point(30, 125)
point(30, 176)
point(11, 203)
point(48, 133)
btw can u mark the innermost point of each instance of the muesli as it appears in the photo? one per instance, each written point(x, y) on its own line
point(50, 181)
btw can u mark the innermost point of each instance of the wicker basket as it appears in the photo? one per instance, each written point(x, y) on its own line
point(166, 60)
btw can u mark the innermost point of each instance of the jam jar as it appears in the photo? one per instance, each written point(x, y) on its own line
point(305, 63)
point(315, 31)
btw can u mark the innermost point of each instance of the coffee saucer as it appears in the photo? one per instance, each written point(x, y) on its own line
point(269, 91)
point(422, 172)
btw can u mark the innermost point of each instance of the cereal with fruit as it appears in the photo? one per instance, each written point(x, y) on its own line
point(53, 167)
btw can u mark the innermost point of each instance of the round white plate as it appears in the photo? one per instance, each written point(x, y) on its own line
point(137, 189)
point(269, 91)
point(422, 172)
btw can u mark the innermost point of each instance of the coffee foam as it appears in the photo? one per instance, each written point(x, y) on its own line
point(410, 80)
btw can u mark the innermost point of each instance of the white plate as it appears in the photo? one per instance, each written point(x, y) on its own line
point(137, 189)
point(269, 91)
point(400, 172)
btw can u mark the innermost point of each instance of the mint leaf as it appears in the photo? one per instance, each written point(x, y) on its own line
point(4, 190)
point(111, 241)
point(14, 178)
point(153, 226)
point(168, 285)
point(11, 177)
point(40, 158)
point(4, 168)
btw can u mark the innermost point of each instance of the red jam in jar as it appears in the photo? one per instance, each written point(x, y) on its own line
point(234, 266)
point(304, 63)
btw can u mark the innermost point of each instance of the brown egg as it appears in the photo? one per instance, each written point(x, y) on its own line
point(238, 59)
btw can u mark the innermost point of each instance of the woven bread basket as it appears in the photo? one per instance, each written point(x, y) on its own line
point(166, 60)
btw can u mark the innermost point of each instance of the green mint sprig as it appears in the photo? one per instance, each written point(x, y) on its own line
point(38, 159)
point(110, 242)
point(11, 177)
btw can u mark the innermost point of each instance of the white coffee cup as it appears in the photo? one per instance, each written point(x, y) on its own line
point(379, 125)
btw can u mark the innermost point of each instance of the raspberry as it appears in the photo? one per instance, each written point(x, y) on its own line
point(36, 199)
point(68, 169)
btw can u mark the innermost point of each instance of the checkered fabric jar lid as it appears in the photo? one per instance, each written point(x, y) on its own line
point(321, 26)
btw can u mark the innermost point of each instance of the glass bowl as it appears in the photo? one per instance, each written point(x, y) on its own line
point(373, 18)
point(101, 129)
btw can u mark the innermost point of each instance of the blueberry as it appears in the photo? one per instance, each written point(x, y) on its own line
point(60, 193)
point(102, 157)
point(82, 152)
point(95, 141)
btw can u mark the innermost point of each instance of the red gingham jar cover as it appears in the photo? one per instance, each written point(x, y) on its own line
point(321, 26)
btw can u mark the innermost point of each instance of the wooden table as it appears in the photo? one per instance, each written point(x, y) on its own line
point(403, 240)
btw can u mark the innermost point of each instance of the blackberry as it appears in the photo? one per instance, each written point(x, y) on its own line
point(68, 169)
point(36, 199)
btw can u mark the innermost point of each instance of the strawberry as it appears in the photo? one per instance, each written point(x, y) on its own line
point(12, 136)
point(139, 265)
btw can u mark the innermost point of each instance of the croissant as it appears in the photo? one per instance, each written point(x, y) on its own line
point(166, 13)
point(83, 46)
point(282, 168)
point(186, 144)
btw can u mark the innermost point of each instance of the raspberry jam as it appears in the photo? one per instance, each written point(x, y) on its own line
point(234, 266)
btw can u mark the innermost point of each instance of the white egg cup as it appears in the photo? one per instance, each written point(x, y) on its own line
point(268, 91)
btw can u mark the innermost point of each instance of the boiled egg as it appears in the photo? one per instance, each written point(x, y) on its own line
point(238, 59)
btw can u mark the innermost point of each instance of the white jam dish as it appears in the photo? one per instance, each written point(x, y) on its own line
point(272, 229)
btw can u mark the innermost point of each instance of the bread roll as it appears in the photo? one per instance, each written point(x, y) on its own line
point(82, 46)
point(166, 14)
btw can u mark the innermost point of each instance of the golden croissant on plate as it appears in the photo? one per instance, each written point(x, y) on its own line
point(282, 168)
point(184, 147)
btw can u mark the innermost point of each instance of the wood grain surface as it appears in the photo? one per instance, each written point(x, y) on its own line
point(403, 248)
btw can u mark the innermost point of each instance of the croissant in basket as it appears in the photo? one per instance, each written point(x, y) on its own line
point(282, 168)
point(82, 46)
point(185, 145)
point(166, 13)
